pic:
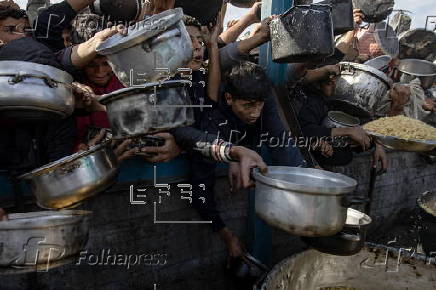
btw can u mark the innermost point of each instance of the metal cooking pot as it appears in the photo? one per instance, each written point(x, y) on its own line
point(148, 109)
point(34, 238)
point(303, 33)
point(342, 15)
point(374, 10)
point(361, 85)
point(117, 10)
point(303, 201)
point(34, 91)
point(381, 62)
point(243, 3)
point(427, 204)
point(418, 43)
point(154, 49)
point(349, 241)
point(72, 179)
point(203, 11)
point(425, 70)
point(337, 119)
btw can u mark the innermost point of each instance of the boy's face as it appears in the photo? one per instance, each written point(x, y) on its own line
point(248, 111)
point(99, 71)
point(197, 47)
point(12, 29)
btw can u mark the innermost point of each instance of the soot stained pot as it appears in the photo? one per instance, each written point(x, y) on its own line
point(342, 15)
point(33, 238)
point(66, 182)
point(203, 11)
point(349, 241)
point(34, 91)
point(148, 109)
point(374, 10)
point(361, 85)
point(303, 33)
point(152, 51)
point(303, 201)
point(427, 203)
point(117, 10)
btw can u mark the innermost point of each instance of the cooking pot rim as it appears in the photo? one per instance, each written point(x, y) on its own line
point(43, 219)
point(331, 115)
point(369, 69)
point(140, 32)
point(405, 61)
point(143, 89)
point(348, 184)
point(16, 67)
point(68, 159)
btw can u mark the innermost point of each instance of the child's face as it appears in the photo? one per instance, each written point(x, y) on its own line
point(248, 111)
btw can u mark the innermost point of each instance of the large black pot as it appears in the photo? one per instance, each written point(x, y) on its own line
point(349, 241)
point(117, 10)
point(203, 11)
point(374, 10)
point(303, 33)
point(342, 15)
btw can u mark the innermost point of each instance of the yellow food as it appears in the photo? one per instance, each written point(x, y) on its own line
point(402, 127)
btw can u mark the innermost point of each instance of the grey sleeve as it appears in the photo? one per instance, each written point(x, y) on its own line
point(230, 56)
point(64, 58)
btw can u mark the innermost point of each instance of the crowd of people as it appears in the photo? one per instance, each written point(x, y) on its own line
point(242, 100)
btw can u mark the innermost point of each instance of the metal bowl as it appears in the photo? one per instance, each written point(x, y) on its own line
point(303, 201)
point(338, 119)
point(34, 91)
point(423, 69)
point(161, 43)
point(396, 143)
point(149, 109)
point(34, 238)
point(66, 182)
point(380, 62)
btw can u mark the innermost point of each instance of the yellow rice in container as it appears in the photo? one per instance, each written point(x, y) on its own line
point(402, 127)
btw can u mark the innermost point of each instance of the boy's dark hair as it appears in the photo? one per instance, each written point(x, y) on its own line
point(191, 21)
point(12, 12)
point(248, 81)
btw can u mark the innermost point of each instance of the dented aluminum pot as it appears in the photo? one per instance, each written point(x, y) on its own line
point(361, 85)
point(31, 91)
point(153, 50)
point(68, 181)
point(303, 201)
point(37, 238)
point(148, 109)
point(425, 70)
point(342, 15)
point(303, 33)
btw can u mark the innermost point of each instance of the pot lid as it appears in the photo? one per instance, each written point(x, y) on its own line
point(63, 161)
point(141, 31)
point(16, 68)
point(144, 89)
point(42, 219)
point(306, 180)
point(387, 39)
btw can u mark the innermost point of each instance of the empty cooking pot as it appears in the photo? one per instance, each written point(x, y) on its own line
point(72, 179)
point(34, 91)
point(342, 15)
point(303, 33)
point(374, 10)
point(152, 108)
point(425, 70)
point(154, 49)
point(349, 241)
point(204, 11)
point(303, 201)
point(337, 119)
point(117, 10)
point(427, 204)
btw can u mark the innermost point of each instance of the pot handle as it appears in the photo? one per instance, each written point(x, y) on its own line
point(19, 77)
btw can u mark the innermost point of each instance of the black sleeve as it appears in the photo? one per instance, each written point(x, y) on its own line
point(190, 138)
point(310, 118)
point(60, 139)
point(50, 24)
